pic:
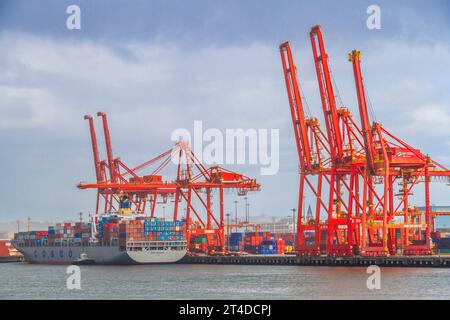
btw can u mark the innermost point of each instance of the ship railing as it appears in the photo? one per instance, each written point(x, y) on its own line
point(155, 245)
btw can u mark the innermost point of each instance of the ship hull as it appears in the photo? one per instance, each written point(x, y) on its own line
point(100, 255)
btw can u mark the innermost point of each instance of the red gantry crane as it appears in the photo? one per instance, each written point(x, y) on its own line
point(370, 174)
point(313, 155)
point(393, 159)
point(347, 156)
point(123, 190)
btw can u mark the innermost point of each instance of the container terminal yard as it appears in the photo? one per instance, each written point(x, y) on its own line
point(359, 178)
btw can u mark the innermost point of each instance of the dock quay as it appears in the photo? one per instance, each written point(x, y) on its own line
point(358, 261)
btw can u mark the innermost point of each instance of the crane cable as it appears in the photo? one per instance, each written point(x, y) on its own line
point(369, 101)
point(303, 97)
point(338, 94)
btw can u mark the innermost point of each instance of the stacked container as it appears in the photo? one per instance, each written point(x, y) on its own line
point(163, 230)
point(198, 244)
point(443, 245)
point(151, 229)
point(253, 240)
point(108, 229)
point(131, 230)
point(289, 238)
point(272, 246)
point(82, 232)
point(32, 238)
point(268, 247)
point(213, 241)
point(281, 248)
point(235, 242)
point(78, 232)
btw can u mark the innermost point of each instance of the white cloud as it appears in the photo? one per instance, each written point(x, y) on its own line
point(147, 90)
point(25, 108)
point(429, 120)
point(150, 89)
point(142, 82)
point(404, 76)
point(81, 60)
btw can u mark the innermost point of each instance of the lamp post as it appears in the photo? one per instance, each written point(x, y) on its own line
point(289, 221)
point(303, 208)
point(236, 212)
point(228, 231)
point(246, 207)
point(248, 212)
point(293, 225)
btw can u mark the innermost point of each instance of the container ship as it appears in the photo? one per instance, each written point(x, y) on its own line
point(111, 239)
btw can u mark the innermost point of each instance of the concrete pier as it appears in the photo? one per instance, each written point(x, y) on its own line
point(394, 261)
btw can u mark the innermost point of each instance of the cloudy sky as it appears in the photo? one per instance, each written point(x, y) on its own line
point(155, 66)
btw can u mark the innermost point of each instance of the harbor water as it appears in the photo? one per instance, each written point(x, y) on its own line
point(26, 281)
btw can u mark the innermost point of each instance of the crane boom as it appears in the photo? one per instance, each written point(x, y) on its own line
point(109, 153)
point(98, 172)
point(355, 58)
point(327, 94)
point(296, 106)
